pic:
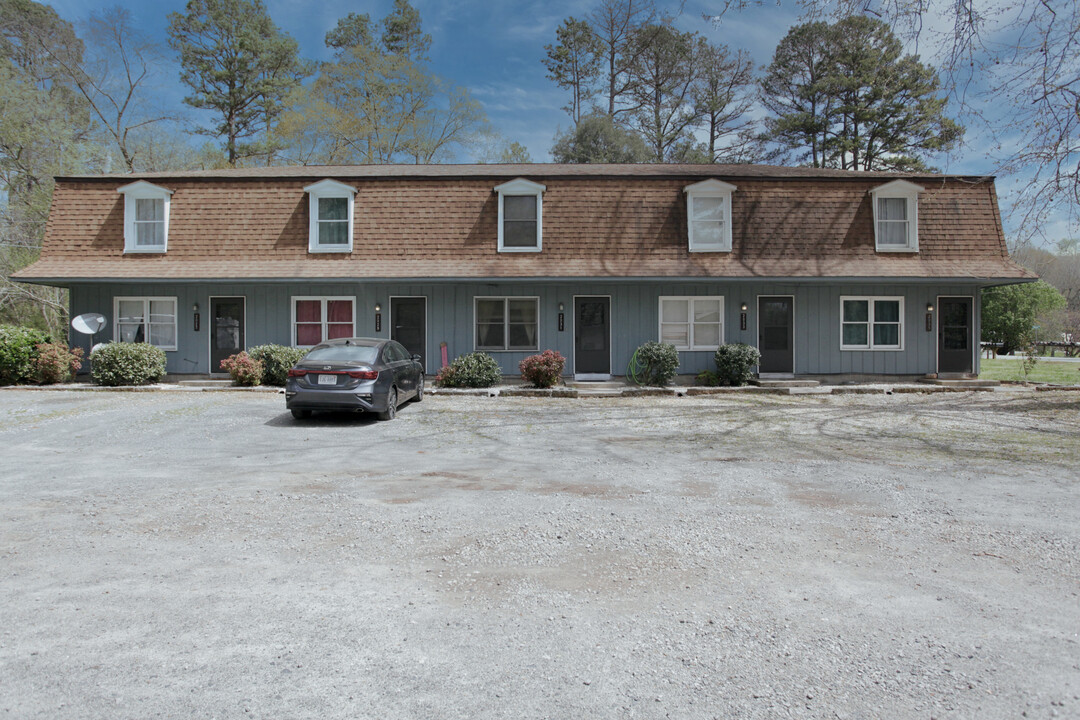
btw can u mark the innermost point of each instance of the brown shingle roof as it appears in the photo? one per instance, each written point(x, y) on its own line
point(599, 221)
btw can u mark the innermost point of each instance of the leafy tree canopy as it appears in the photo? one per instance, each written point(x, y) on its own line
point(1009, 312)
point(599, 139)
point(844, 95)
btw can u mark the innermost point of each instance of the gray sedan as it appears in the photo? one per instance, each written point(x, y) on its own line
point(357, 375)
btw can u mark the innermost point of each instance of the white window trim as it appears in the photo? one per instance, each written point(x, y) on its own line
point(322, 314)
point(870, 323)
point(506, 322)
point(142, 190)
point(523, 187)
point(146, 300)
point(690, 320)
point(328, 189)
point(709, 189)
point(901, 189)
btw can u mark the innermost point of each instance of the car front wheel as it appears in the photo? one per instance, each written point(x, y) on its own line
point(391, 406)
point(420, 390)
point(301, 414)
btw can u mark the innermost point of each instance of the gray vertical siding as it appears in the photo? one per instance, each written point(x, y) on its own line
point(634, 314)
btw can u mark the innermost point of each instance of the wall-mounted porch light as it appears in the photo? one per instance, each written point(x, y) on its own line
point(562, 317)
point(195, 317)
point(378, 317)
point(929, 317)
point(742, 316)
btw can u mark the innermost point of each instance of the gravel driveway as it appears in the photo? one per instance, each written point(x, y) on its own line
point(203, 555)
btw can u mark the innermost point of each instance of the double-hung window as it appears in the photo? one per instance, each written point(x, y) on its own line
point(331, 209)
point(507, 323)
point(692, 323)
point(708, 216)
point(896, 216)
point(871, 323)
point(316, 319)
point(521, 216)
point(146, 217)
point(145, 320)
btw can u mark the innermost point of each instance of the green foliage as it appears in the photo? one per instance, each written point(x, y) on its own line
point(476, 369)
point(655, 363)
point(239, 65)
point(1009, 312)
point(56, 363)
point(734, 363)
point(598, 139)
point(708, 378)
point(117, 363)
point(844, 95)
point(574, 63)
point(45, 130)
point(243, 369)
point(543, 370)
point(18, 350)
point(277, 360)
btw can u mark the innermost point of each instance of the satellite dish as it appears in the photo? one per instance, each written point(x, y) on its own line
point(88, 323)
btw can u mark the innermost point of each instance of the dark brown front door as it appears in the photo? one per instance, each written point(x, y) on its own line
point(776, 334)
point(409, 318)
point(226, 329)
point(955, 335)
point(592, 335)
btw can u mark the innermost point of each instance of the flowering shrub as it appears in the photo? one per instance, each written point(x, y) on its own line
point(119, 363)
point(244, 369)
point(277, 360)
point(470, 370)
point(55, 363)
point(18, 348)
point(734, 362)
point(543, 370)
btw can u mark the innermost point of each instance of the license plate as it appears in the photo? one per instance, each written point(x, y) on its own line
point(328, 379)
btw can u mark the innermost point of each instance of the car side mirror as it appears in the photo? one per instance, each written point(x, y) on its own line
point(417, 358)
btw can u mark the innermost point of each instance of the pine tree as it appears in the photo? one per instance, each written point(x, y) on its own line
point(240, 66)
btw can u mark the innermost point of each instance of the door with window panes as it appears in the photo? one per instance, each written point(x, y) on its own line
point(226, 329)
point(955, 353)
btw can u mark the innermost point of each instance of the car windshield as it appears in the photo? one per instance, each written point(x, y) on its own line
point(343, 353)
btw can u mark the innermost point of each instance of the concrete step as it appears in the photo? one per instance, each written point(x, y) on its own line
point(788, 383)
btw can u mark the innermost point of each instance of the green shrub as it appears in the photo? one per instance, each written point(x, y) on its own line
point(734, 363)
point(127, 364)
point(244, 370)
point(543, 370)
point(655, 363)
point(18, 349)
point(55, 363)
point(277, 360)
point(470, 370)
point(707, 378)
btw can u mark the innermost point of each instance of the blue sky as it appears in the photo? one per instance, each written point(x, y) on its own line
point(495, 49)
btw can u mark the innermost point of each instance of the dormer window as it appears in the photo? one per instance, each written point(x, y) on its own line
point(330, 208)
point(708, 216)
point(521, 216)
point(896, 216)
point(146, 217)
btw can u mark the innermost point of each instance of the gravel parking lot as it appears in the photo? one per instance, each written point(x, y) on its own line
point(204, 555)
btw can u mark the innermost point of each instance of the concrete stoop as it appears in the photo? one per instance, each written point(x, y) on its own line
point(785, 383)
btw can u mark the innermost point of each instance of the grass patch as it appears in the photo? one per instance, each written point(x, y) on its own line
point(1046, 370)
